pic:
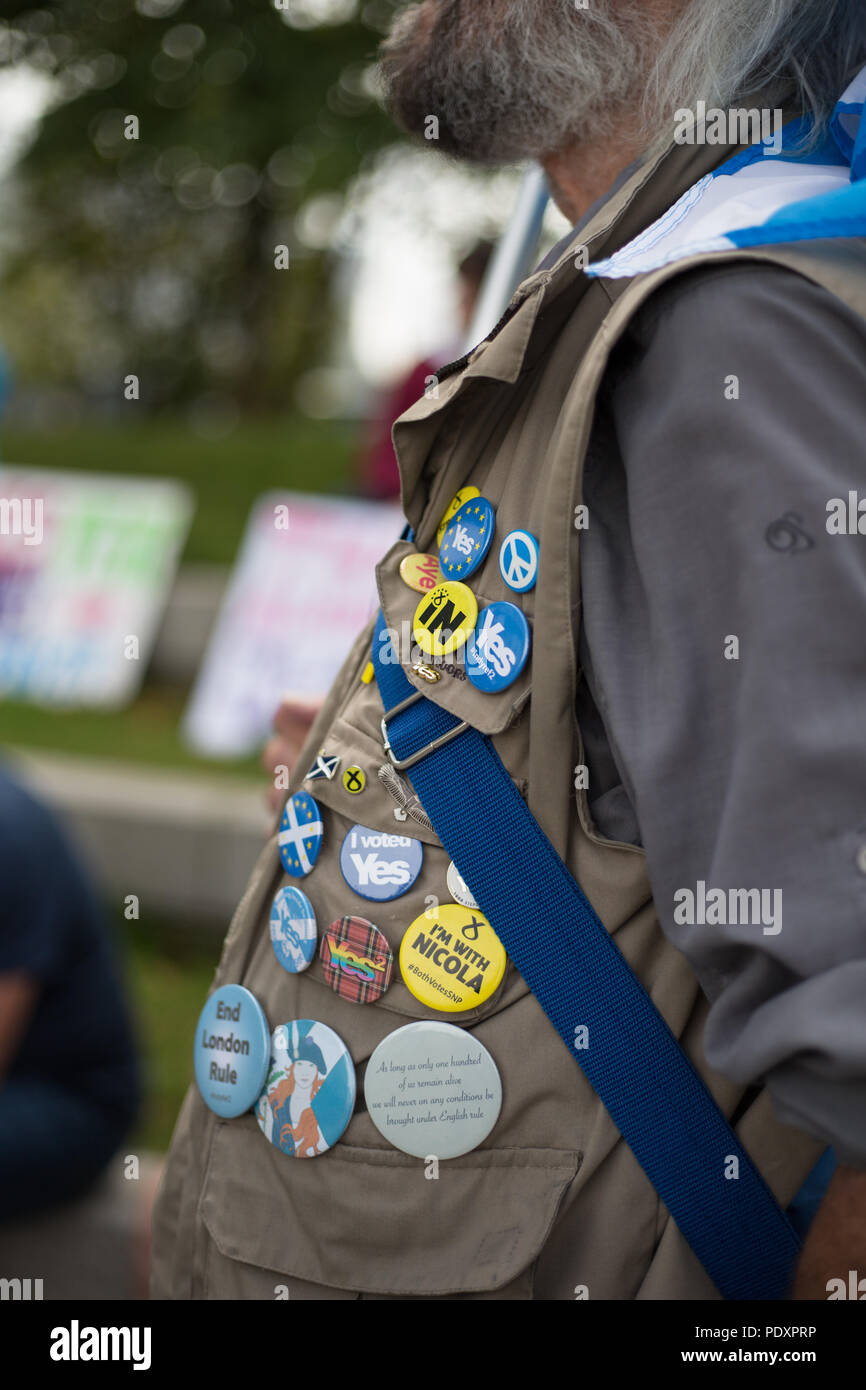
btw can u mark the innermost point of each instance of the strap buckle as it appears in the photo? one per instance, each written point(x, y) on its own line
point(432, 747)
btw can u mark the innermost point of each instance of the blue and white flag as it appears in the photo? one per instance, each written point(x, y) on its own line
point(762, 198)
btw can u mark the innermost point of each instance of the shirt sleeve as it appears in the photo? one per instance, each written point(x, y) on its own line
point(39, 891)
point(727, 628)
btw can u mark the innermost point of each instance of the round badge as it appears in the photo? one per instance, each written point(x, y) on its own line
point(420, 572)
point(444, 619)
point(498, 648)
point(231, 1051)
point(293, 929)
point(451, 958)
point(356, 959)
point(300, 834)
point(457, 887)
point(433, 1089)
point(310, 1090)
point(467, 539)
point(454, 505)
point(378, 864)
point(354, 779)
point(518, 560)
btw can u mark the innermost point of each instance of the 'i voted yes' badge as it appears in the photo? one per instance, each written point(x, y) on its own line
point(231, 1051)
point(380, 865)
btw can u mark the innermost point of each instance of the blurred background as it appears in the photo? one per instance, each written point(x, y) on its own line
point(222, 274)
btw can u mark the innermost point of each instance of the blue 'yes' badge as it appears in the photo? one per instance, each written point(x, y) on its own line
point(467, 539)
point(498, 647)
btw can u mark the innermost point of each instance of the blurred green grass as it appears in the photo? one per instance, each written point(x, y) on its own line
point(225, 475)
point(169, 972)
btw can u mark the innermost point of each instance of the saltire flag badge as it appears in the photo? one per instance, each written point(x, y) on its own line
point(326, 765)
point(356, 959)
point(300, 835)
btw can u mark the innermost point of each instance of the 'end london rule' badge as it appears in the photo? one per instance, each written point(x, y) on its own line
point(231, 1052)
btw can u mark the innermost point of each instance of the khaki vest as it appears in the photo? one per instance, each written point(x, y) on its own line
point(552, 1205)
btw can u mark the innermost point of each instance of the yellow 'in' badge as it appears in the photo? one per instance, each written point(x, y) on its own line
point(444, 618)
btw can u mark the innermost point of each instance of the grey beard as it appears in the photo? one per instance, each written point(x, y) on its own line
point(515, 79)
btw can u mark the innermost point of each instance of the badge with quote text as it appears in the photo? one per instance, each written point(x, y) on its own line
point(231, 1051)
point(380, 865)
point(293, 929)
point(451, 958)
point(356, 959)
point(433, 1090)
point(309, 1093)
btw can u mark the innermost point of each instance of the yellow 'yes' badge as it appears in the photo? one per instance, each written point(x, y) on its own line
point(444, 618)
point(451, 958)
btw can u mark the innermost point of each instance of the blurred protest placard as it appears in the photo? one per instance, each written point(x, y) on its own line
point(86, 563)
point(303, 587)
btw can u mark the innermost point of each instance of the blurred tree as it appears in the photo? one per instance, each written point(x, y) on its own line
point(186, 140)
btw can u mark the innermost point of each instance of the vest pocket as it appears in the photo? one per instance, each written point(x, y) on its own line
point(368, 1220)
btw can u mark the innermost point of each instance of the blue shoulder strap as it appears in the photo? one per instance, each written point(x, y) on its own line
point(570, 962)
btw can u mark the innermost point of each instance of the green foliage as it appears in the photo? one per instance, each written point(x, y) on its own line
point(155, 255)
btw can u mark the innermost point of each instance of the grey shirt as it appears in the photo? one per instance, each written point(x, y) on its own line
point(732, 413)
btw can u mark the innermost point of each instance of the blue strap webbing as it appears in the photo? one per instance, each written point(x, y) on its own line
point(652, 1092)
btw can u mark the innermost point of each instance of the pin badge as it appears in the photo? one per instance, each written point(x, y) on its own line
point(356, 959)
point(231, 1050)
point(444, 619)
point(433, 1090)
point(467, 539)
point(326, 765)
point(300, 835)
point(518, 561)
point(451, 958)
point(464, 495)
point(309, 1094)
point(420, 572)
point(293, 929)
point(498, 647)
point(378, 864)
point(457, 887)
point(354, 779)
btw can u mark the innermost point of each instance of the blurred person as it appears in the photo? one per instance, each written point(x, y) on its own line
point(377, 466)
point(69, 1082)
point(672, 408)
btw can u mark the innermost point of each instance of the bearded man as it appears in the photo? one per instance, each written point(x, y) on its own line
point(671, 410)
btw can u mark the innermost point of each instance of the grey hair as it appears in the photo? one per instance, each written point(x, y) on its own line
point(721, 51)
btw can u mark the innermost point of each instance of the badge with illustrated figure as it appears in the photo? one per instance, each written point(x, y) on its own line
point(451, 958)
point(378, 864)
point(356, 959)
point(433, 1090)
point(293, 929)
point(464, 495)
point(300, 834)
point(309, 1093)
point(231, 1051)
